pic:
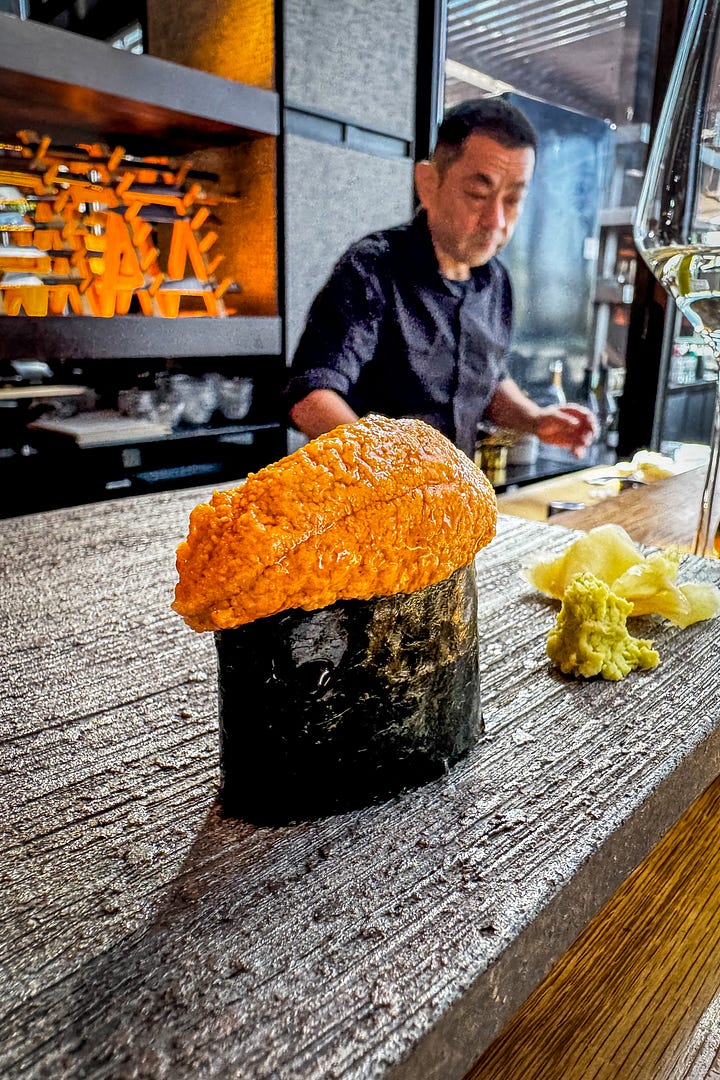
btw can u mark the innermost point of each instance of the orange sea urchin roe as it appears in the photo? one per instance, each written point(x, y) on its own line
point(369, 509)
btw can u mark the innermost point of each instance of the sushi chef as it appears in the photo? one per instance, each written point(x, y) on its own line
point(415, 320)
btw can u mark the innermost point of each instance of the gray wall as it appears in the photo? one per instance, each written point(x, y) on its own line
point(354, 60)
point(333, 197)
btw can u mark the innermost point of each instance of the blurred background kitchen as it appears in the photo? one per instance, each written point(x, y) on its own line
point(287, 131)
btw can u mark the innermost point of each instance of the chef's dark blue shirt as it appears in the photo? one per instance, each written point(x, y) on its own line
point(391, 335)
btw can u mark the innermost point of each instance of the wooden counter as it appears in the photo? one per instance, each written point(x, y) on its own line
point(663, 513)
point(531, 501)
point(143, 935)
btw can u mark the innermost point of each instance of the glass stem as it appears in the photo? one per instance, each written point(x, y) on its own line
point(705, 536)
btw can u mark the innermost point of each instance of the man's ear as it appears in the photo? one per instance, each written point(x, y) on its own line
point(426, 182)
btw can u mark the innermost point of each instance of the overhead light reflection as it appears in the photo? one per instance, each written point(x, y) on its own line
point(455, 70)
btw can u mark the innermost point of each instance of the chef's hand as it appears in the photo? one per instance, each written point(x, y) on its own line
point(571, 426)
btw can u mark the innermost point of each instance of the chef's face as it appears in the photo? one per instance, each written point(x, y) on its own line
point(473, 204)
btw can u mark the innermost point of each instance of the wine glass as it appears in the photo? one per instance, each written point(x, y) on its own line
point(677, 223)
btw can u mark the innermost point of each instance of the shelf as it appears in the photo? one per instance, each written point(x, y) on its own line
point(610, 291)
point(698, 386)
point(617, 217)
point(238, 433)
point(61, 473)
point(36, 393)
point(80, 337)
point(74, 88)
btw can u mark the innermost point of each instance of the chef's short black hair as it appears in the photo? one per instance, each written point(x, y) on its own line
point(492, 116)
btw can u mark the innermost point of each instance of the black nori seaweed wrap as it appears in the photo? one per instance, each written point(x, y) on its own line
point(325, 711)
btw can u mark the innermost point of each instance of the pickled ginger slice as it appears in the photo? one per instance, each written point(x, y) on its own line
point(704, 601)
point(650, 587)
point(605, 551)
point(649, 582)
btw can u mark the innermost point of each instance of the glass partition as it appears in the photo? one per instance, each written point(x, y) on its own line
point(583, 73)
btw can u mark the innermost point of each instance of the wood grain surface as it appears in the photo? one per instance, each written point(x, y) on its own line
point(637, 997)
point(531, 501)
point(143, 935)
point(665, 512)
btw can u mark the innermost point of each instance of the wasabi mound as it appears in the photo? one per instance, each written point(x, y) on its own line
point(591, 636)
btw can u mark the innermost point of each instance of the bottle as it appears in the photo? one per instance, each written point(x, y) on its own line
point(606, 410)
point(588, 393)
point(555, 393)
point(587, 390)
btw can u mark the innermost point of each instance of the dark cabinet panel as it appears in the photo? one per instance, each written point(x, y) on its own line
point(84, 337)
point(60, 473)
point(688, 413)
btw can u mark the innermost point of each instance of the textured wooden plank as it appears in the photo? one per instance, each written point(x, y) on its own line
point(141, 934)
point(699, 1058)
point(637, 995)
